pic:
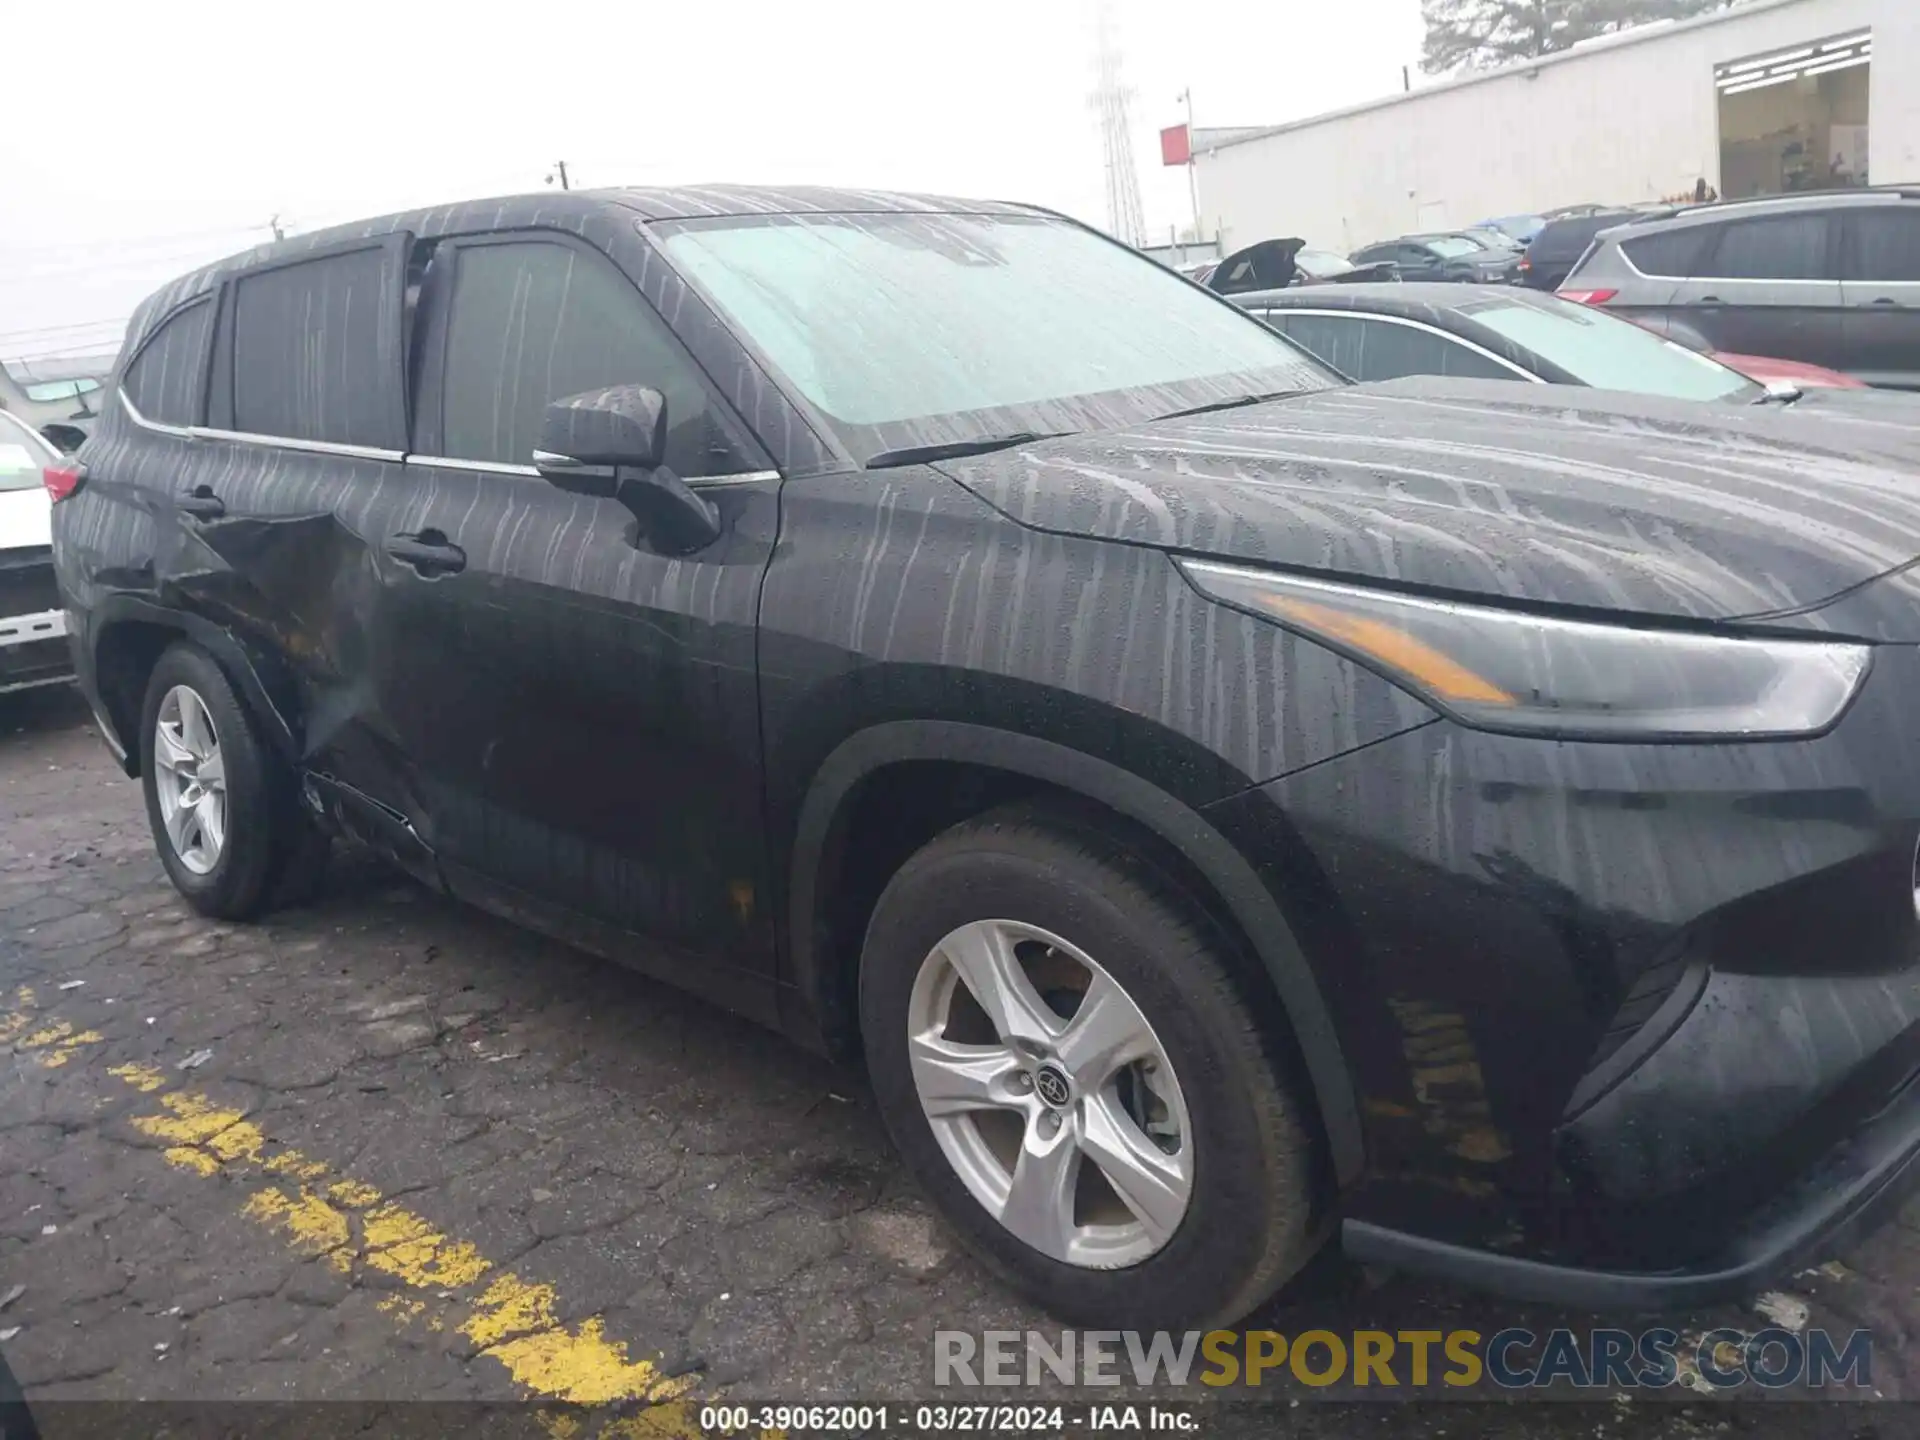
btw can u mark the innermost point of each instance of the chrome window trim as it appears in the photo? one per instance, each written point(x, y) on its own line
point(401, 457)
point(287, 442)
point(492, 467)
point(247, 437)
point(479, 467)
point(1409, 324)
point(179, 432)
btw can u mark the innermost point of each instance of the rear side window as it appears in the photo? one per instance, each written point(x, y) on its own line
point(1885, 245)
point(164, 381)
point(1369, 349)
point(1781, 247)
point(308, 357)
point(1665, 254)
point(534, 321)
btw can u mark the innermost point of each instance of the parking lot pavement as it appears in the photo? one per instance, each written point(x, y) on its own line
point(385, 1147)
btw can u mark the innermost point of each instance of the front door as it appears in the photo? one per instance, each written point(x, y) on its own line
point(1882, 292)
point(582, 706)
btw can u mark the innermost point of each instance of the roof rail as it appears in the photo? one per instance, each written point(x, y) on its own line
point(1905, 192)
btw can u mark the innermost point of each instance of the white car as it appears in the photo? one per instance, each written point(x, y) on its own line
point(33, 625)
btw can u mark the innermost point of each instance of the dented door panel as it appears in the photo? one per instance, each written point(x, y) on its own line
point(582, 710)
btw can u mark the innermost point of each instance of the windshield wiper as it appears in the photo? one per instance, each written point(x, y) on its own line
point(956, 449)
point(1234, 404)
point(1778, 392)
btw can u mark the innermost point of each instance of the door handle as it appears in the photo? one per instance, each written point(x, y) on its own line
point(201, 503)
point(1709, 300)
point(428, 552)
point(1889, 302)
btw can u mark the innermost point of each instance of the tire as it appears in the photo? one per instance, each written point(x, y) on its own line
point(262, 833)
point(1245, 1226)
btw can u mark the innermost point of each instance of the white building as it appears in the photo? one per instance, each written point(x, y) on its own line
point(1767, 96)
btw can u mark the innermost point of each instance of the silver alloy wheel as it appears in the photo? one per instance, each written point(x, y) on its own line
point(190, 777)
point(1050, 1095)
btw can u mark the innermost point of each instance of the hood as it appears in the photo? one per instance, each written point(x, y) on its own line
point(1540, 494)
point(1267, 265)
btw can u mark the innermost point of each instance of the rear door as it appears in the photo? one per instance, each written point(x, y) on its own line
point(1767, 286)
point(288, 486)
point(582, 707)
point(1881, 285)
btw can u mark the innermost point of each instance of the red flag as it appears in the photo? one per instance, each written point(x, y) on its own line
point(1176, 146)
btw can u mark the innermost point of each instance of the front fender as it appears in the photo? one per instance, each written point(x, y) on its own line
point(1249, 901)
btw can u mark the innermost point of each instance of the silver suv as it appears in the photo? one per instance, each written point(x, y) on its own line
point(1828, 279)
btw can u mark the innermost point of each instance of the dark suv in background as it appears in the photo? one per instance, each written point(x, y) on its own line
point(1224, 808)
point(1830, 279)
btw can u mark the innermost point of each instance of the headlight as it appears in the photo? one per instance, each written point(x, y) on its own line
point(1537, 675)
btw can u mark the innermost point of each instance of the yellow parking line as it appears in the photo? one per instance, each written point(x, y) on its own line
point(351, 1224)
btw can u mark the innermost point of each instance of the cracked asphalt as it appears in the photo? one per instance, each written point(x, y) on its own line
point(382, 1147)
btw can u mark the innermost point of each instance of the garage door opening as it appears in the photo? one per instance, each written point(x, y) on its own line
point(1795, 119)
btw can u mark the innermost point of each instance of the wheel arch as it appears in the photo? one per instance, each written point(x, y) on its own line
point(127, 637)
point(831, 800)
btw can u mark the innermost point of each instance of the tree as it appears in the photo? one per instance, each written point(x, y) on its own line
point(1479, 34)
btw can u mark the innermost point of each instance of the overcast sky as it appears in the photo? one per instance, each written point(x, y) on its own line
point(143, 138)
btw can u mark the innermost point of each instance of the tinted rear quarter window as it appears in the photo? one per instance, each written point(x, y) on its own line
point(164, 381)
point(1666, 254)
point(1779, 247)
point(1885, 245)
point(308, 357)
point(534, 321)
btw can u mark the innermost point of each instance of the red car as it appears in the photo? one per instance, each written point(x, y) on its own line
point(1764, 370)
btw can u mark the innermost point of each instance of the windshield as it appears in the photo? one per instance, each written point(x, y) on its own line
point(1520, 227)
point(1322, 263)
point(49, 390)
point(1450, 247)
point(1607, 352)
point(23, 455)
point(914, 329)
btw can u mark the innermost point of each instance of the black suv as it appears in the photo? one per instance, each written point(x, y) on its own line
point(1829, 279)
point(1224, 808)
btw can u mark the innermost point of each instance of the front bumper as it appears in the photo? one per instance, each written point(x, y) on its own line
point(34, 650)
point(1608, 1005)
point(1851, 1190)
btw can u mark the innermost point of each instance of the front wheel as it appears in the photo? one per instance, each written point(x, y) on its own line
point(1073, 1075)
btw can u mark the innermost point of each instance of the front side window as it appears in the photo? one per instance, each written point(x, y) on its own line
point(1781, 247)
point(1451, 247)
point(930, 328)
point(1886, 245)
point(309, 362)
point(164, 380)
point(23, 455)
point(1607, 352)
point(534, 321)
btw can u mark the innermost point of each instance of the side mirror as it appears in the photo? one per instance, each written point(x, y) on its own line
point(612, 444)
